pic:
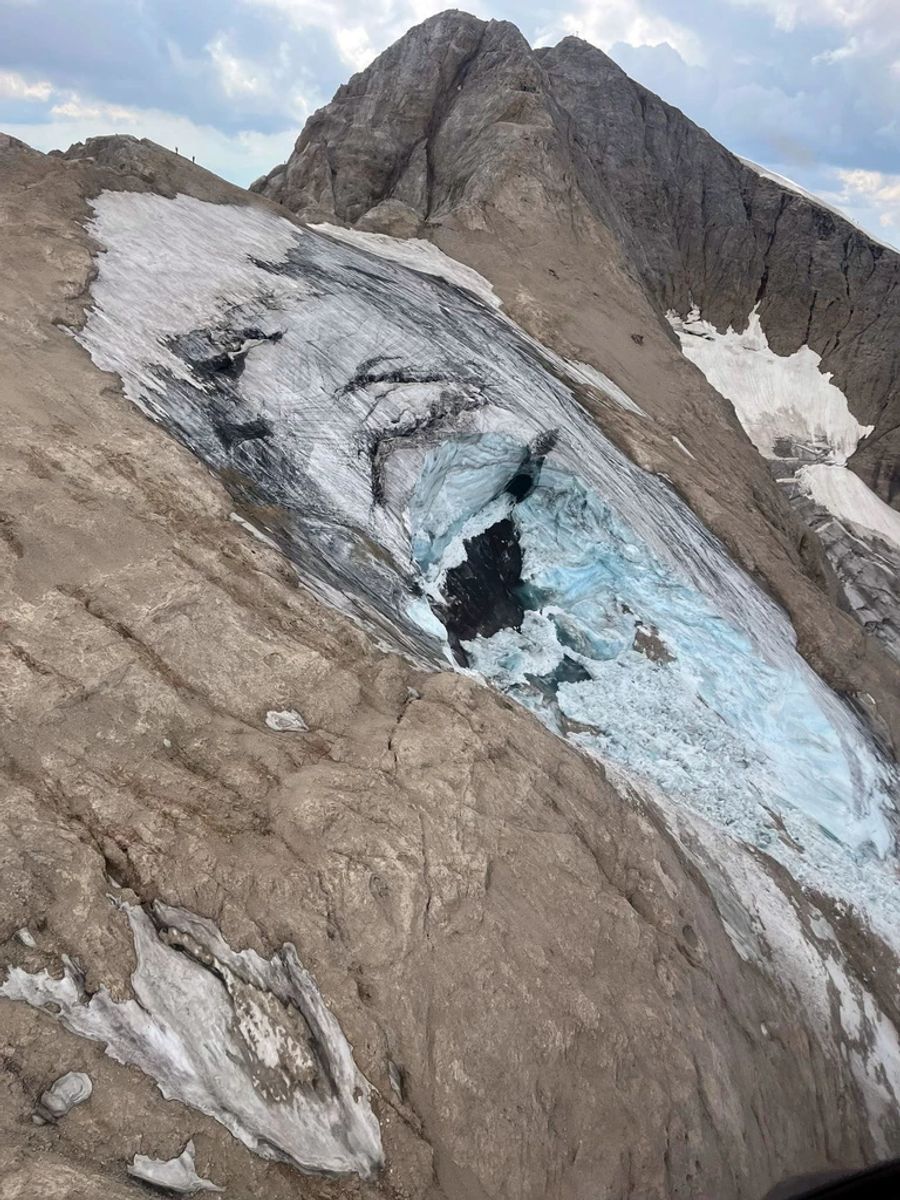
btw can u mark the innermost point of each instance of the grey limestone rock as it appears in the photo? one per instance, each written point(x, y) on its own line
point(460, 109)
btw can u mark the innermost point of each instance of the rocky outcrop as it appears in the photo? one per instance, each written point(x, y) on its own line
point(552, 987)
point(402, 148)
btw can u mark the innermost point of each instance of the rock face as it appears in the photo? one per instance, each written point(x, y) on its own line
point(552, 986)
point(401, 148)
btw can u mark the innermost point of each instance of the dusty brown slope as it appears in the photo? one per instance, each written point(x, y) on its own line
point(566, 1013)
point(481, 156)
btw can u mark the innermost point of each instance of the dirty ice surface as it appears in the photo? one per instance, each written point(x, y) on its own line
point(428, 469)
point(248, 1040)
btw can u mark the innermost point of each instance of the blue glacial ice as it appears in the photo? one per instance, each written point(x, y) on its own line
point(369, 419)
point(632, 661)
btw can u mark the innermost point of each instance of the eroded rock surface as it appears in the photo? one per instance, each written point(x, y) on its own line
point(554, 987)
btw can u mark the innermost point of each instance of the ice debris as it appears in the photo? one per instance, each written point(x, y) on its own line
point(285, 720)
point(61, 1097)
point(172, 1174)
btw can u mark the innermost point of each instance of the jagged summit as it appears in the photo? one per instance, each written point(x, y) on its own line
point(461, 121)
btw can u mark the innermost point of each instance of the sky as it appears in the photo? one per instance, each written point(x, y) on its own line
point(807, 88)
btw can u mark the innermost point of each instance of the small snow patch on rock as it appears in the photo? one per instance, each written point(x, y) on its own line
point(285, 720)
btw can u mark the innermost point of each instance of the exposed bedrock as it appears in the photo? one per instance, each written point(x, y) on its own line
point(494, 128)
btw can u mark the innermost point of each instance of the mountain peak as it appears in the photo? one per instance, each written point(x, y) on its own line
point(461, 122)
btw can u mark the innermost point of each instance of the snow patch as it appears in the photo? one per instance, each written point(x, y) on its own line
point(285, 720)
point(801, 422)
point(252, 530)
point(776, 397)
point(172, 1174)
point(584, 373)
point(237, 1036)
point(69, 1090)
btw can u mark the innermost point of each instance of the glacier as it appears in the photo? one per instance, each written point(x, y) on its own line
point(428, 469)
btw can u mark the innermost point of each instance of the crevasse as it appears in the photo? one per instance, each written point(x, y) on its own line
point(638, 665)
point(380, 425)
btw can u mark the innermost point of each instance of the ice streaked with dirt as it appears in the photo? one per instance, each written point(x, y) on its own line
point(369, 419)
point(584, 373)
point(425, 257)
point(419, 255)
point(247, 1040)
point(177, 1174)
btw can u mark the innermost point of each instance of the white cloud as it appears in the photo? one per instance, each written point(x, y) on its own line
point(355, 46)
point(605, 24)
point(237, 76)
point(266, 88)
point(15, 87)
point(872, 199)
point(359, 32)
point(880, 16)
point(76, 109)
point(789, 14)
point(848, 50)
point(876, 186)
